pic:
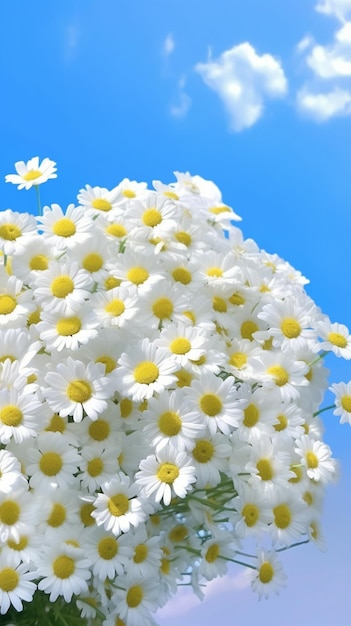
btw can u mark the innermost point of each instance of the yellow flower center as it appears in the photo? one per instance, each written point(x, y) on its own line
point(140, 553)
point(219, 304)
point(64, 227)
point(215, 272)
point(101, 204)
point(337, 340)
point(180, 345)
point(346, 403)
point(79, 391)
point(251, 416)
point(247, 329)
point(128, 193)
point(68, 326)
point(62, 286)
point(171, 195)
point(18, 545)
point(218, 210)
point(50, 463)
point(210, 404)
point(167, 473)
point(116, 230)
point(115, 308)
point(32, 175)
point(237, 299)
point(162, 308)
point(137, 275)
point(85, 514)
point(107, 548)
point(308, 498)
point(238, 360)
point(282, 423)
point(170, 423)
point(152, 217)
point(57, 515)
point(182, 275)
point(9, 512)
point(63, 567)
point(9, 579)
point(280, 375)
point(7, 304)
point(108, 362)
point(93, 262)
point(9, 232)
point(99, 430)
point(282, 516)
point(39, 262)
point(11, 415)
point(118, 505)
point(95, 467)
point(203, 451)
point(266, 572)
point(251, 514)
point(126, 407)
point(183, 238)
point(265, 470)
point(184, 378)
point(134, 596)
point(311, 460)
point(290, 328)
point(178, 533)
point(146, 373)
point(298, 474)
point(212, 553)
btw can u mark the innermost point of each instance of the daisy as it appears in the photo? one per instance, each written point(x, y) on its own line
point(77, 389)
point(290, 322)
point(281, 371)
point(63, 571)
point(269, 467)
point(169, 422)
point(335, 338)
point(109, 556)
point(136, 268)
point(217, 403)
point(52, 462)
point(166, 475)
point(59, 331)
point(15, 230)
point(35, 257)
point(145, 370)
point(21, 415)
point(215, 555)
point(58, 508)
point(135, 599)
point(94, 256)
point(290, 518)
point(146, 554)
point(253, 514)
point(269, 575)
point(342, 393)
point(118, 508)
point(316, 457)
point(64, 230)
point(97, 465)
point(15, 583)
point(99, 199)
point(116, 307)
point(11, 475)
point(16, 303)
point(210, 456)
point(32, 173)
point(183, 343)
point(16, 513)
point(62, 288)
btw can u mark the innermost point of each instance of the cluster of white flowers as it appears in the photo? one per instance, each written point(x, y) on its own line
point(160, 384)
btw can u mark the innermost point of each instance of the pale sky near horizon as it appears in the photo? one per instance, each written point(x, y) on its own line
point(253, 95)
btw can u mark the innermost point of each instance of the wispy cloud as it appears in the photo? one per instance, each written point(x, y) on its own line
point(339, 8)
point(70, 43)
point(182, 101)
point(186, 600)
point(168, 45)
point(244, 80)
point(327, 91)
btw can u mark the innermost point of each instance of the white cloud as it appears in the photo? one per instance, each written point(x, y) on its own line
point(168, 45)
point(323, 106)
point(243, 80)
point(185, 599)
point(334, 60)
point(183, 101)
point(338, 8)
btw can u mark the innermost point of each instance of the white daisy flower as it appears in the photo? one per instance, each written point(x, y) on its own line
point(15, 583)
point(63, 571)
point(64, 230)
point(316, 457)
point(109, 556)
point(269, 576)
point(183, 343)
point(291, 518)
point(11, 475)
point(215, 554)
point(16, 303)
point(135, 599)
point(77, 389)
point(146, 555)
point(253, 513)
point(210, 456)
point(97, 465)
point(62, 288)
point(35, 257)
point(94, 256)
point(15, 230)
point(335, 338)
point(118, 507)
point(21, 415)
point(342, 392)
point(116, 307)
point(53, 461)
point(32, 173)
point(166, 475)
point(217, 402)
point(60, 331)
point(290, 322)
point(281, 371)
point(145, 370)
point(99, 199)
point(16, 513)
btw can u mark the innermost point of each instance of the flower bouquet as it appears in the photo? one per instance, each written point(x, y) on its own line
point(161, 380)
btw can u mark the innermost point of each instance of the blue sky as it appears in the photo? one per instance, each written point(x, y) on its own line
point(253, 95)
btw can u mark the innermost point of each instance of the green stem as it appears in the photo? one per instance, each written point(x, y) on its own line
point(326, 408)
